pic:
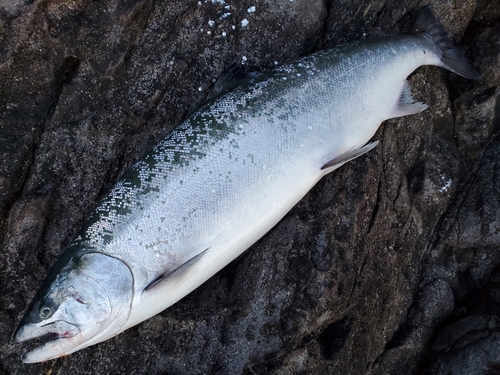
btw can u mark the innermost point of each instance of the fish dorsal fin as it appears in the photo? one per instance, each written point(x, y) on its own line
point(180, 271)
point(341, 159)
point(406, 105)
point(228, 80)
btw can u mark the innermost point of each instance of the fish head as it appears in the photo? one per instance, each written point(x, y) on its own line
point(87, 301)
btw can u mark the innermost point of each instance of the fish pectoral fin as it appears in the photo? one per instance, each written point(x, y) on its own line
point(406, 105)
point(178, 272)
point(341, 159)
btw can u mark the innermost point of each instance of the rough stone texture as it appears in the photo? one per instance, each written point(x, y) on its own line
point(390, 265)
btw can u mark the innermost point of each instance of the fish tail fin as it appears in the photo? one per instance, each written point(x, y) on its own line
point(451, 57)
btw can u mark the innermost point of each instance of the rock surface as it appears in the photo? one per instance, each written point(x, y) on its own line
point(390, 265)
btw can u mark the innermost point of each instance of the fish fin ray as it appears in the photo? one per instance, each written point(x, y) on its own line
point(451, 57)
point(179, 271)
point(406, 105)
point(229, 79)
point(341, 159)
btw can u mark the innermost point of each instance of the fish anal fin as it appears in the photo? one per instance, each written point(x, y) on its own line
point(405, 104)
point(341, 159)
point(180, 271)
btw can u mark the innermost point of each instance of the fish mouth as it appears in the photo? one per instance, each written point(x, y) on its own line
point(55, 340)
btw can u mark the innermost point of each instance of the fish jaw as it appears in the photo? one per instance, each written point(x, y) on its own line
point(67, 339)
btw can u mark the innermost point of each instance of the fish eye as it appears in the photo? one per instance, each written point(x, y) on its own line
point(46, 312)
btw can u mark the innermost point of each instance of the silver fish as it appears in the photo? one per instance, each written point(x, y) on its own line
point(221, 180)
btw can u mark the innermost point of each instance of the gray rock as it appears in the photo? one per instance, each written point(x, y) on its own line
point(383, 268)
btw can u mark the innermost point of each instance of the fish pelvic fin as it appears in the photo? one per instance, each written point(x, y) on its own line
point(181, 271)
point(406, 105)
point(451, 57)
point(341, 159)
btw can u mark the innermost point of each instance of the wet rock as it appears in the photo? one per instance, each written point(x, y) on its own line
point(384, 267)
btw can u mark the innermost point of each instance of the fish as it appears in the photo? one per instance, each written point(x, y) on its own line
point(222, 179)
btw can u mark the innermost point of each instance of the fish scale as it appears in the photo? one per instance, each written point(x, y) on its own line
point(222, 179)
point(240, 150)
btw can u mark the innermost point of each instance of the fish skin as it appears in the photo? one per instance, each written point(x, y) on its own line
point(222, 179)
